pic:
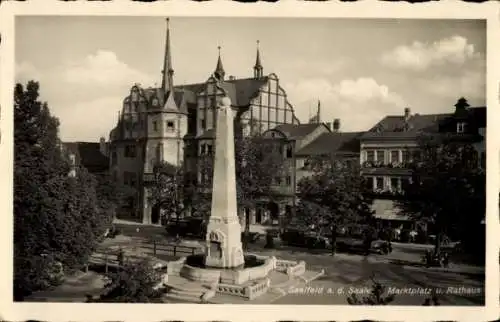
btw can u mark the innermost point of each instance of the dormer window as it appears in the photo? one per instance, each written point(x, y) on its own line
point(461, 127)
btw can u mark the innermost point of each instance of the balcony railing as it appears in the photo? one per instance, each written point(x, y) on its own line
point(390, 165)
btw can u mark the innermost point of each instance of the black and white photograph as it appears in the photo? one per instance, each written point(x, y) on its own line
point(291, 161)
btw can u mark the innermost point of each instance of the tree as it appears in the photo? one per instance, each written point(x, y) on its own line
point(258, 162)
point(447, 190)
point(48, 203)
point(376, 297)
point(333, 197)
point(133, 283)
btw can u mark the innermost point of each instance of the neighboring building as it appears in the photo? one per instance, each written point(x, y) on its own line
point(300, 144)
point(387, 151)
point(90, 155)
point(175, 124)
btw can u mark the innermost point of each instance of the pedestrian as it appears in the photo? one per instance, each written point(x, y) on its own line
point(120, 257)
point(446, 260)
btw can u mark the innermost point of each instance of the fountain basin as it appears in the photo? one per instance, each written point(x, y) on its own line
point(255, 267)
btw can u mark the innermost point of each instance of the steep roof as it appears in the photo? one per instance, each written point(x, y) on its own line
point(88, 155)
point(240, 91)
point(208, 134)
point(297, 131)
point(396, 127)
point(327, 143)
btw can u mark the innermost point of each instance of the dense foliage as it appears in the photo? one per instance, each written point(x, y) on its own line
point(133, 283)
point(448, 191)
point(58, 219)
point(333, 197)
point(376, 297)
point(258, 163)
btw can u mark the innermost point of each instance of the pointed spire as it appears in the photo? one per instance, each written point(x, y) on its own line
point(219, 69)
point(168, 72)
point(258, 69)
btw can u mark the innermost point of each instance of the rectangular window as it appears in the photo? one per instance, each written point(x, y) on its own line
point(394, 156)
point(265, 99)
point(209, 149)
point(380, 156)
point(170, 126)
point(277, 180)
point(203, 123)
point(155, 126)
point(394, 184)
point(483, 160)
point(460, 127)
point(370, 155)
point(288, 180)
point(369, 183)
point(379, 183)
point(405, 156)
point(417, 155)
point(130, 151)
point(133, 179)
point(288, 151)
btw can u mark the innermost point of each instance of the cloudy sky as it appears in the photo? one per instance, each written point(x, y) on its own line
point(361, 70)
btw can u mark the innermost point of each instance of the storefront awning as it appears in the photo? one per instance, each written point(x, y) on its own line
point(388, 210)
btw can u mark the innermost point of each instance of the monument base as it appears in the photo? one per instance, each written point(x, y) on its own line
point(246, 283)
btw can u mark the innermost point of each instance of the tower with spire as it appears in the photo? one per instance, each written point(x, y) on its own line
point(177, 124)
point(219, 69)
point(167, 83)
point(166, 125)
point(258, 70)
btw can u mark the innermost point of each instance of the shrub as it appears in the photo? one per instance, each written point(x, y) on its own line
point(134, 283)
point(376, 296)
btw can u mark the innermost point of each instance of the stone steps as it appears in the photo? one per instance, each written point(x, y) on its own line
point(180, 298)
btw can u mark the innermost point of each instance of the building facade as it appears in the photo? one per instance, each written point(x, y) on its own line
point(175, 124)
point(389, 148)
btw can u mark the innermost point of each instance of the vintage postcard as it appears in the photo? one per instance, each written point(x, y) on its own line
point(291, 161)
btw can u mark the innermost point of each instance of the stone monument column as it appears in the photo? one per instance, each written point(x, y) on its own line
point(224, 248)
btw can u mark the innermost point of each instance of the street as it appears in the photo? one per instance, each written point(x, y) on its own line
point(399, 270)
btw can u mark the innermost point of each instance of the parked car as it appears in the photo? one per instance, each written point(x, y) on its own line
point(357, 244)
point(194, 227)
point(301, 238)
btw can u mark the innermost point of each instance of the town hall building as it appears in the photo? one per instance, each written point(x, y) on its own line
point(176, 123)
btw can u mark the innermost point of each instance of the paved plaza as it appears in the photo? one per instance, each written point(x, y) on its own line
point(344, 273)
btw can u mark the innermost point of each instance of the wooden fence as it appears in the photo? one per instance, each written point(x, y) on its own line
point(110, 258)
point(170, 249)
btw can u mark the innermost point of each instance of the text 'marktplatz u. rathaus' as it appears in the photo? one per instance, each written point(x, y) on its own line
point(175, 123)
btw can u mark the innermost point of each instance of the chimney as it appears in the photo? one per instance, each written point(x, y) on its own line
point(407, 113)
point(103, 146)
point(336, 125)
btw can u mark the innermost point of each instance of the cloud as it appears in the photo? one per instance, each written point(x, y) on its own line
point(86, 95)
point(420, 56)
point(471, 84)
point(25, 72)
point(87, 120)
point(359, 103)
point(103, 68)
